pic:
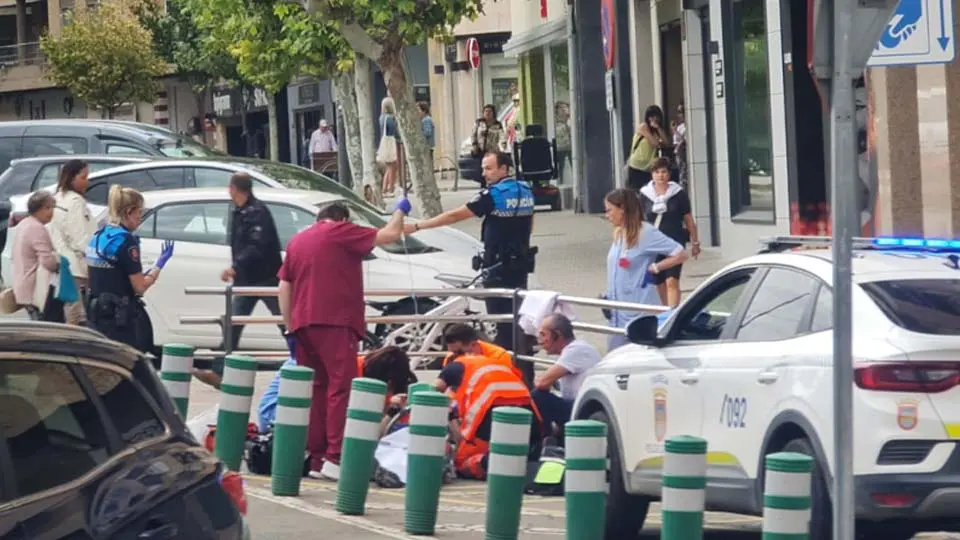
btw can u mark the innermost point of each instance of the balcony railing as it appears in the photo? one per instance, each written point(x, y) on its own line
point(21, 54)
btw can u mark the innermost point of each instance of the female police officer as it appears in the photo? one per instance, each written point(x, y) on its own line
point(117, 279)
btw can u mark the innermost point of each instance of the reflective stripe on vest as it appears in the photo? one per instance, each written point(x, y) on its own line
point(477, 393)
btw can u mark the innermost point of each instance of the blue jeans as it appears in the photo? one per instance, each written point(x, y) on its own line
point(553, 408)
point(267, 411)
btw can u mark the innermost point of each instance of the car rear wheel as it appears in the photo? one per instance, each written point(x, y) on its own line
point(821, 509)
point(625, 512)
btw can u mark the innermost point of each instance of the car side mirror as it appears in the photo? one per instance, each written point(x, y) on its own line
point(643, 331)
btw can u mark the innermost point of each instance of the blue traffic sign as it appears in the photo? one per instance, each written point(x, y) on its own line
point(920, 32)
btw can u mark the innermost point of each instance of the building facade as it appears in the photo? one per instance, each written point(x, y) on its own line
point(458, 92)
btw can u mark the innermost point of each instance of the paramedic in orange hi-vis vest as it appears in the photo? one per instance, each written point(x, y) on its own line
point(462, 339)
point(479, 386)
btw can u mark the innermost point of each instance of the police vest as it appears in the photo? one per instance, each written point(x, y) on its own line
point(512, 198)
point(104, 247)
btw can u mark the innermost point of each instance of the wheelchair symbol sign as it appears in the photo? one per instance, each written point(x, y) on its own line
point(919, 32)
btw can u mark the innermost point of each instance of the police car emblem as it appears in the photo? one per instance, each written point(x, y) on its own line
point(908, 414)
point(660, 413)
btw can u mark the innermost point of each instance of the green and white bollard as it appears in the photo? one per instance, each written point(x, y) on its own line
point(585, 484)
point(684, 484)
point(176, 371)
point(507, 471)
point(236, 393)
point(290, 430)
point(419, 387)
point(425, 458)
point(786, 497)
point(360, 437)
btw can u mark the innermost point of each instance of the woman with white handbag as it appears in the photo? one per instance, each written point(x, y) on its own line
point(387, 150)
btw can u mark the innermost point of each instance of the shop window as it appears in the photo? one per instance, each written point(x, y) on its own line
point(748, 110)
point(561, 112)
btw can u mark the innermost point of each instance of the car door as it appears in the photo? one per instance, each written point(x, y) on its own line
point(10, 529)
point(165, 489)
point(665, 397)
point(57, 443)
point(747, 377)
point(199, 229)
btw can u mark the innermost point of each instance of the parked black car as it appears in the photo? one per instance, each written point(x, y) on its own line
point(91, 446)
point(29, 138)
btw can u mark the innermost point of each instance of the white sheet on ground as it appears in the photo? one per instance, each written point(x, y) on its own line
point(391, 453)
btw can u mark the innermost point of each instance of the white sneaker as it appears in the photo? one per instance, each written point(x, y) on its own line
point(330, 471)
point(315, 475)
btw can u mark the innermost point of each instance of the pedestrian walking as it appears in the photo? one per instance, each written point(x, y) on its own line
point(387, 149)
point(506, 206)
point(71, 229)
point(34, 259)
point(667, 207)
point(256, 253)
point(321, 298)
point(323, 141)
point(631, 261)
point(117, 280)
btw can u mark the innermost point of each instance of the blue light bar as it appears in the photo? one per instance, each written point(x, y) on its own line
point(916, 243)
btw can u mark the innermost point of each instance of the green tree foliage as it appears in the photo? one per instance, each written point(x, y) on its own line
point(379, 30)
point(105, 57)
point(179, 41)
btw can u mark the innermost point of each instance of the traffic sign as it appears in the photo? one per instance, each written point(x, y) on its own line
point(920, 32)
point(608, 25)
point(473, 53)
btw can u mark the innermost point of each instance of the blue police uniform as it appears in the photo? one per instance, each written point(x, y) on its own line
point(507, 211)
point(114, 309)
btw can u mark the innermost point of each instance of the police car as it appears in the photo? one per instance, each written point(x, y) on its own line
point(745, 363)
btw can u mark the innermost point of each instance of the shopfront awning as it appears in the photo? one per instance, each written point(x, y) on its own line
point(544, 34)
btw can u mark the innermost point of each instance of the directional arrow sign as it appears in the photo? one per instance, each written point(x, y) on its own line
point(920, 32)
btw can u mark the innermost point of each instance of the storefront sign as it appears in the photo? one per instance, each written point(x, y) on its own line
point(308, 94)
point(493, 43)
point(608, 26)
point(421, 92)
point(473, 53)
point(543, 9)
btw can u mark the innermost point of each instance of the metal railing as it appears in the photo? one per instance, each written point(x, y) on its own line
point(228, 320)
point(22, 54)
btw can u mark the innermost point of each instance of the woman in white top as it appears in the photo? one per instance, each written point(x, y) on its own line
point(71, 230)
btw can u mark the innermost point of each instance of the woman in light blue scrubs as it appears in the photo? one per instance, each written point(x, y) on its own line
point(632, 256)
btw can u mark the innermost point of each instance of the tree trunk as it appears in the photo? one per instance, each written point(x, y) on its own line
point(408, 122)
point(347, 100)
point(368, 135)
point(274, 146)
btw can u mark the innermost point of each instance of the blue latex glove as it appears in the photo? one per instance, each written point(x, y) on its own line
point(291, 343)
point(903, 23)
point(404, 206)
point(165, 254)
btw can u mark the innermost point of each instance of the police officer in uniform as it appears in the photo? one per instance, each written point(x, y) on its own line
point(506, 206)
point(117, 279)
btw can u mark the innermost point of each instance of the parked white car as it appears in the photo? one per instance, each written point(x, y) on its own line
point(198, 221)
point(216, 172)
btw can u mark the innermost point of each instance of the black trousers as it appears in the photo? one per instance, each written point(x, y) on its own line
point(505, 330)
point(135, 329)
point(243, 306)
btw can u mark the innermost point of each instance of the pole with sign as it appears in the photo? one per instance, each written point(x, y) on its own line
point(844, 35)
point(608, 25)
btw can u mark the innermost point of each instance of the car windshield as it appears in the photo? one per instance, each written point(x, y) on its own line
point(926, 306)
point(185, 147)
point(295, 177)
point(363, 216)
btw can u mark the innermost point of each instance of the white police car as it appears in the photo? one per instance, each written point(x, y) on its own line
point(745, 362)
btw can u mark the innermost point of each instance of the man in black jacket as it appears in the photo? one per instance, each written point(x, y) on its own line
point(255, 249)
